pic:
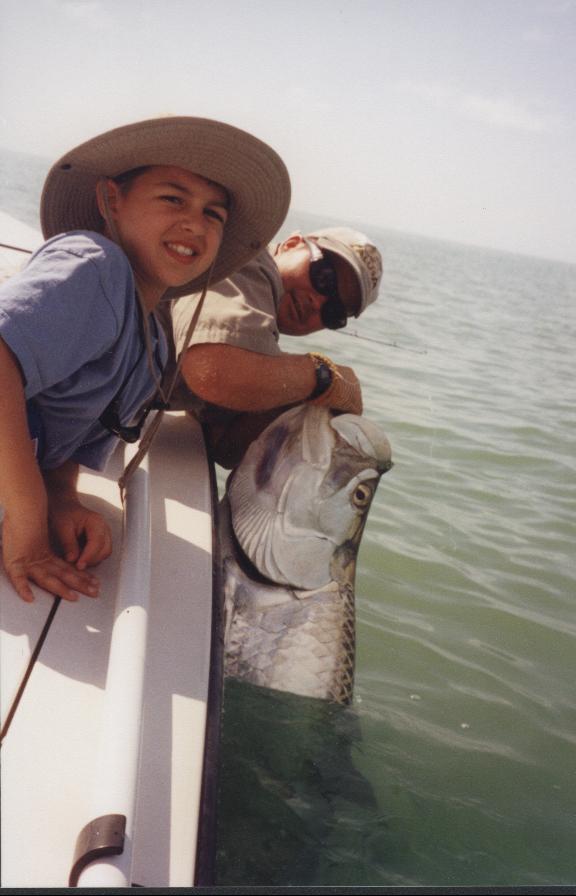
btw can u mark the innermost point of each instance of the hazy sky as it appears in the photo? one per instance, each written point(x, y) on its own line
point(449, 118)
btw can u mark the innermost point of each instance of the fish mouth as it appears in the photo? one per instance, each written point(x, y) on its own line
point(300, 497)
point(366, 438)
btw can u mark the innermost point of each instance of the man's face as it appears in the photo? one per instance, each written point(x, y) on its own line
point(300, 306)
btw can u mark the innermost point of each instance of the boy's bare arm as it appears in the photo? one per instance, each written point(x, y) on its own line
point(25, 543)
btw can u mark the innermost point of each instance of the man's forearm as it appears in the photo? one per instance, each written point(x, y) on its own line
point(240, 380)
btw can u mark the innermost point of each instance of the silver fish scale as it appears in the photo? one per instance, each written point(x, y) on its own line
point(304, 645)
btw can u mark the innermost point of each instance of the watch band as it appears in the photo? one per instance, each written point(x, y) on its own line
point(324, 375)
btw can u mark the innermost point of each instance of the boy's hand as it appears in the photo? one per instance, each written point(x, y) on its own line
point(83, 535)
point(28, 499)
point(29, 558)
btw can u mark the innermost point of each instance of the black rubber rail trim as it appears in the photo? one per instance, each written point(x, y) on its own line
point(205, 870)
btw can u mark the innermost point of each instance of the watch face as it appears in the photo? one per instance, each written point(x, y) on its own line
point(323, 378)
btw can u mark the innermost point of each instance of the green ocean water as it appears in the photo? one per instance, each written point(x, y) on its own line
point(456, 764)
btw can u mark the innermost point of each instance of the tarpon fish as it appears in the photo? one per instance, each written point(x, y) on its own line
point(291, 523)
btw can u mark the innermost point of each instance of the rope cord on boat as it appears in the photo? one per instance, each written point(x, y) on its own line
point(16, 248)
point(29, 668)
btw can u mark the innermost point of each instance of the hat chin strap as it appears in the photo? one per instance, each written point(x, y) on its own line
point(106, 212)
point(151, 430)
point(104, 208)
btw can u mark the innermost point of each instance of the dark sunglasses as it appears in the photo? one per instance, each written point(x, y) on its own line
point(325, 281)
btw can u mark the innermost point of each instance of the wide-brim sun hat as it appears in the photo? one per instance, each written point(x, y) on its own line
point(252, 172)
point(360, 253)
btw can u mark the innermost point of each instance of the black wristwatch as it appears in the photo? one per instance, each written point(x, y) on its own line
point(323, 373)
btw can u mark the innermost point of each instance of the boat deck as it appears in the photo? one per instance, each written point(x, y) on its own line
point(50, 752)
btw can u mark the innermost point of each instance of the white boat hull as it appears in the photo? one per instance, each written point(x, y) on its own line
point(61, 761)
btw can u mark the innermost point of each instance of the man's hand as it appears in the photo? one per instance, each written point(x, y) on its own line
point(345, 394)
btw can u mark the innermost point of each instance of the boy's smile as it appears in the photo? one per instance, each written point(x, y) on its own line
point(170, 223)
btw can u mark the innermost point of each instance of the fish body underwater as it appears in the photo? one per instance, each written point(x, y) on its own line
point(291, 522)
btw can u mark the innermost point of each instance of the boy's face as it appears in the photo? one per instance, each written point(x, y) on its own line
point(170, 223)
point(299, 312)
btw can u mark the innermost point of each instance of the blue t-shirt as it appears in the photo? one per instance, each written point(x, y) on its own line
point(72, 319)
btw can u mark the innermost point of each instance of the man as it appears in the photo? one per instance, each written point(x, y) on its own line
point(236, 376)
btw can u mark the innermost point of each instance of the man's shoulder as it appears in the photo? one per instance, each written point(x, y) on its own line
point(258, 282)
point(240, 311)
point(256, 285)
point(263, 263)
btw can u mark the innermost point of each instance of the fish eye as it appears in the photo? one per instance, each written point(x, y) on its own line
point(361, 495)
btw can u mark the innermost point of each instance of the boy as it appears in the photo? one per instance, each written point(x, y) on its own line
point(147, 211)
